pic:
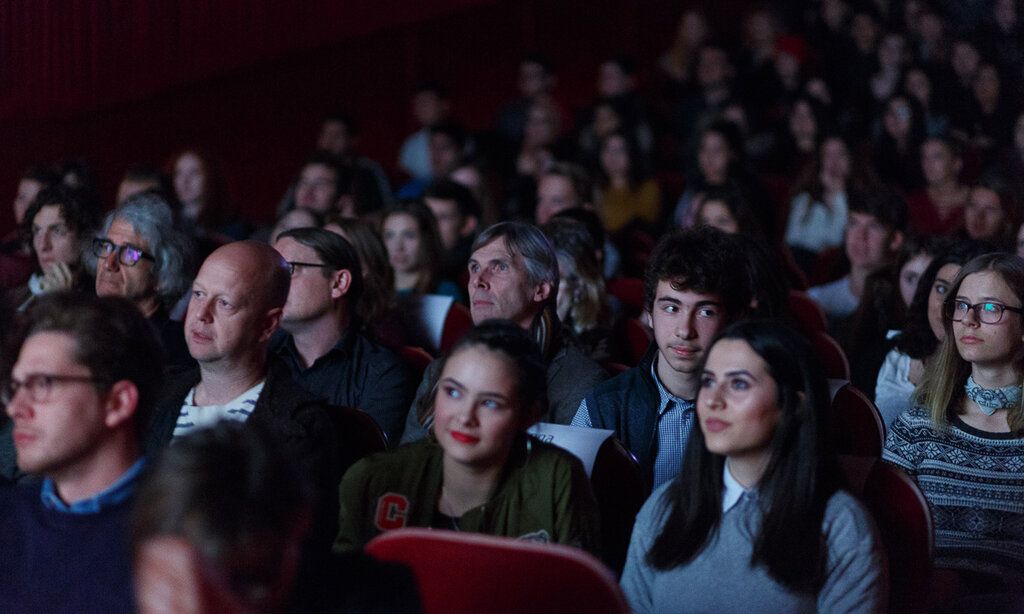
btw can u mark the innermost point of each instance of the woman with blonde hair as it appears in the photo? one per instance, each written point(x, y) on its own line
point(964, 442)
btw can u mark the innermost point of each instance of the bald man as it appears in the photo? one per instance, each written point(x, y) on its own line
point(237, 300)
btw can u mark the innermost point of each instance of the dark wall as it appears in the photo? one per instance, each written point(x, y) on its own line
point(250, 81)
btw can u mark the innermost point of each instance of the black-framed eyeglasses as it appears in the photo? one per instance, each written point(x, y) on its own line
point(127, 255)
point(293, 267)
point(39, 386)
point(987, 312)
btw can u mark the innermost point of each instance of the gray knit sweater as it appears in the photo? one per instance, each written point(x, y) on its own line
point(720, 578)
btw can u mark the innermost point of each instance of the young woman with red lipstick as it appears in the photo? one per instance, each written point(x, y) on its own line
point(964, 442)
point(480, 472)
point(755, 521)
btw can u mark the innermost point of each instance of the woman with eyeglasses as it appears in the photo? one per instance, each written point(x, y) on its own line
point(55, 226)
point(964, 442)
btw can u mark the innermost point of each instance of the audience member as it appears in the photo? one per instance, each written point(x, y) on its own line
point(16, 264)
point(340, 135)
point(237, 302)
point(582, 303)
point(87, 374)
point(903, 367)
point(458, 216)
point(324, 347)
point(218, 527)
point(678, 60)
point(536, 82)
point(691, 292)
point(140, 178)
point(626, 194)
point(896, 149)
point(962, 443)
point(139, 255)
point(409, 231)
point(430, 106)
point(937, 208)
point(721, 163)
point(874, 234)
point(513, 275)
point(376, 305)
point(990, 214)
point(318, 188)
point(818, 213)
point(56, 227)
point(480, 472)
point(757, 516)
point(296, 218)
point(201, 189)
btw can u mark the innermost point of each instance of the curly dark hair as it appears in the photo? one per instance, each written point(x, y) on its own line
point(702, 260)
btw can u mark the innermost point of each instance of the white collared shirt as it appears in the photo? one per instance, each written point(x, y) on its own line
point(732, 490)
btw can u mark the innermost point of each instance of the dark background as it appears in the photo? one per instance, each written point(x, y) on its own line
point(121, 82)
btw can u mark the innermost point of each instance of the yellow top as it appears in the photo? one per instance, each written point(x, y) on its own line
point(618, 207)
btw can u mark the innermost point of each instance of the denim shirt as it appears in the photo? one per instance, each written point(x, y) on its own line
point(114, 494)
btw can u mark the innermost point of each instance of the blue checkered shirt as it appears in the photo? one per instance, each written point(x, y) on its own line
point(675, 422)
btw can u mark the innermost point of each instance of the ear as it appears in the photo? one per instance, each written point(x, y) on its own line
point(468, 226)
point(271, 321)
point(541, 292)
point(340, 283)
point(648, 318)
point(896, 242)
point(121, 401)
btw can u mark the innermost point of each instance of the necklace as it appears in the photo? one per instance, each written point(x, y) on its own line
point(991, 400)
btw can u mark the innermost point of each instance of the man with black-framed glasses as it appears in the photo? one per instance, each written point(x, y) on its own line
point(87, 373)
point(140, 255)
point(325, 348)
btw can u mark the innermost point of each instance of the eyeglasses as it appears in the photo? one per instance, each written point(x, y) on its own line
point(986, 313)
point(293, 267)
point(39, 386)
point(126, 254)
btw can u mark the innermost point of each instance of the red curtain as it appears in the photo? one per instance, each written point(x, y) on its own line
point(70, 56)
point(121, 82)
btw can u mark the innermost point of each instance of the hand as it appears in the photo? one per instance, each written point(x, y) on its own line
point(57, 277)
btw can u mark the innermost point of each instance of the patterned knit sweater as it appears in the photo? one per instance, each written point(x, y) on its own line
point(974, 483)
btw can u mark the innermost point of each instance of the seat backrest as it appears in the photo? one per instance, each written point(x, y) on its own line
point(456, 323)
point(620, 489)
point(630, 292)
point(631, 340)
point(462, 573)
point(424, 317)
point(358, 434)
point(856, 425)
point(905, 523)
point(416, 358)
point(831, 355)
point(806, 314)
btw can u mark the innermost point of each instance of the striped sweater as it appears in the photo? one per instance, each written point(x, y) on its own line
point(974, 483)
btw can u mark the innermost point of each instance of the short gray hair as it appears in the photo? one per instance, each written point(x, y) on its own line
point(529, 242)
point(151, 217)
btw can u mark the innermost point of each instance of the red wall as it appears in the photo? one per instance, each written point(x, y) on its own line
point(121, 82)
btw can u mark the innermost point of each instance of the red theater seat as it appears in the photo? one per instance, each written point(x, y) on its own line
point(464, 573)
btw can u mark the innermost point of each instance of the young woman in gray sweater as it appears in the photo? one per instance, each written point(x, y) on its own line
point(756, 521)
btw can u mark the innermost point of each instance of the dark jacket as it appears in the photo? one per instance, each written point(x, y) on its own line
point(296, 418)
point(356, 372)
point(628, 405)
point(172, 337)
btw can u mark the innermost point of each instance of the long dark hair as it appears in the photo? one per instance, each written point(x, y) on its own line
point(917, 339)
point(801, 476)
point(429, 256)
